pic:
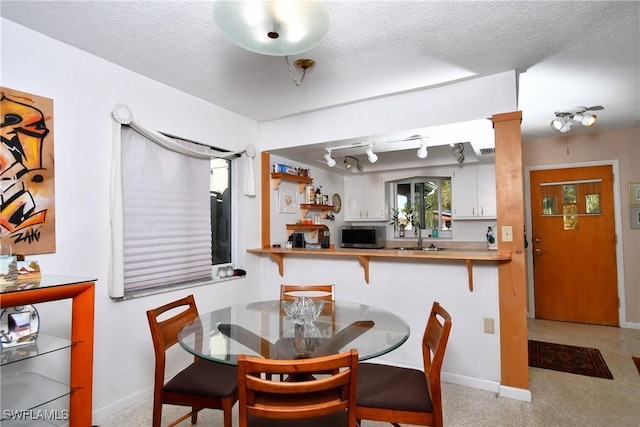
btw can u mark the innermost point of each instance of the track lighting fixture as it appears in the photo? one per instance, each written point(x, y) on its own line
point(458, 152)
point(565, 118)
point(422, 151)
point(373, 157)
point(348, 165)
point(331, 162)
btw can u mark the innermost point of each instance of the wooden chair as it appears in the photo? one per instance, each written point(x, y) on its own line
point(325, 402)
point(321, 292)
point(402, 395)
point(203, 384)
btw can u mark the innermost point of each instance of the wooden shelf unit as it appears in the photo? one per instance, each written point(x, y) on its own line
point(81, 292)
point(302, 181)
point(306, 207)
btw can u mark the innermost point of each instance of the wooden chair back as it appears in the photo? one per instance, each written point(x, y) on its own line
point(434, 344)
point(164, 333)
point(322, 292)
point(260, 397)
point(220, 392)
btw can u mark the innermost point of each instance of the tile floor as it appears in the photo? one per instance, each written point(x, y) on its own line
point(558, 399)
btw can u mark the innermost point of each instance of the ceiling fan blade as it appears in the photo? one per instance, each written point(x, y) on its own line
point(595, 108)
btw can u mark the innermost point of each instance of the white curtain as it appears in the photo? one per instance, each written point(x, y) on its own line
point(160, 218)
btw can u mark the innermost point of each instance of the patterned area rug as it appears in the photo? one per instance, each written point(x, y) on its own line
point(568, 358)
point(637, 362)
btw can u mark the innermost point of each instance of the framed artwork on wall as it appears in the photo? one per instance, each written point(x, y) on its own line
point(634, 194)
point(27, 173)
point(288, 201)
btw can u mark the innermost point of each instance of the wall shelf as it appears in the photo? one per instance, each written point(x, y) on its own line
point(306, 207)
point(306, 227)
point(302, 181)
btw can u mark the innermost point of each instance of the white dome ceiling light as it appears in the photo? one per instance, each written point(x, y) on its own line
point(274, 27)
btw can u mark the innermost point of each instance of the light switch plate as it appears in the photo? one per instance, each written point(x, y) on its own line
point(507, 233)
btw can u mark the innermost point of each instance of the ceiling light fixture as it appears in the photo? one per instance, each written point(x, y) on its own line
point(331, 162)
point(301, 64)
point(422, 151)
point(348, 165)
point(373, 157)
point(566, 117)
point(272, 27)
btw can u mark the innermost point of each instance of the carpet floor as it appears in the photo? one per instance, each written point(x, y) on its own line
point(568, 358)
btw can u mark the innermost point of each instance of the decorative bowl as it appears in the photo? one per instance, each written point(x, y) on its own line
point(303, 310)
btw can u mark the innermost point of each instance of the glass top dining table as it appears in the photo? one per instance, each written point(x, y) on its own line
point(263, 329)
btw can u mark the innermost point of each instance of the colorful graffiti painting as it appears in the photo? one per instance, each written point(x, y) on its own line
point(27, 201)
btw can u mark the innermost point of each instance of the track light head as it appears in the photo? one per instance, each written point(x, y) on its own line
point(331, 162)
point(587, 120)
point(373, 157)
point(561, 124)
point(422, 151)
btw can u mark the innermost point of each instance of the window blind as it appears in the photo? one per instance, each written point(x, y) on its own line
point(166, 214)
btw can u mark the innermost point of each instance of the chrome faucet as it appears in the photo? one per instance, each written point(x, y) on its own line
point(419, 228)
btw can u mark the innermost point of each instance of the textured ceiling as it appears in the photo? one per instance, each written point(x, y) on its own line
point(568, 52)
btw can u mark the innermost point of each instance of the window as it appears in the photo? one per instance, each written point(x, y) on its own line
point(176, 214)
point(424, 203)
point(220, 195)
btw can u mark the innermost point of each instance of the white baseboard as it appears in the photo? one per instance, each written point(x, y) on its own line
point(515, 393)
point(630, 325)
point(488, 385)
point(122, 404)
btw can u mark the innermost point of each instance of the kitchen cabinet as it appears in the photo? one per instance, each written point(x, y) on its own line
point(364, 198)
point(24, 391)
point(473, 193)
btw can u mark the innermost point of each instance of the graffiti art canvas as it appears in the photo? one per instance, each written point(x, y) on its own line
point(27, 172)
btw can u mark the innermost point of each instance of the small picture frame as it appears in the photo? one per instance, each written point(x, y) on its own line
point(635, 218)
point(634, 194)
point(288, 201)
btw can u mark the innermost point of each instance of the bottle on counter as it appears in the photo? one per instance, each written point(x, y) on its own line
point(491, 240)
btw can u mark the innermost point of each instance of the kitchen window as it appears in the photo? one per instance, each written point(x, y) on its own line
point(423, 202)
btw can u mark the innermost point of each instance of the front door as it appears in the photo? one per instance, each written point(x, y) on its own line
point(574, 245)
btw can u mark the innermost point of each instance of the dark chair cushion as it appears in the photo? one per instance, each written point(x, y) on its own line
point(338, 419)
point(205, 378)
point(383, 386)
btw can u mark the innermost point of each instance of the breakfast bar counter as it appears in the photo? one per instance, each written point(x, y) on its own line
point(364, 255)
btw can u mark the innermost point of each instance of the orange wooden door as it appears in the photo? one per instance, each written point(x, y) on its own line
point(574, 254)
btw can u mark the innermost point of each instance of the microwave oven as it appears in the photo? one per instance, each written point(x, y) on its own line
point(363, 237)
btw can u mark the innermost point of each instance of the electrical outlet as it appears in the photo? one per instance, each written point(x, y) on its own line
point(489, 325)
point(507, 233)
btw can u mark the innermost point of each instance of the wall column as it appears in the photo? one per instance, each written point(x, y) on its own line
point(512, 276)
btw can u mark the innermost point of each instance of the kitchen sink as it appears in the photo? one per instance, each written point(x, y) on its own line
point(416, 248)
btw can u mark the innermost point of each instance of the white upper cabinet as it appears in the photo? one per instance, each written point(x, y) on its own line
point(364, 198)
point(474, 192)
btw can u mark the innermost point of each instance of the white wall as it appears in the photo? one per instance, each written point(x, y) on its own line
point(84, 88)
